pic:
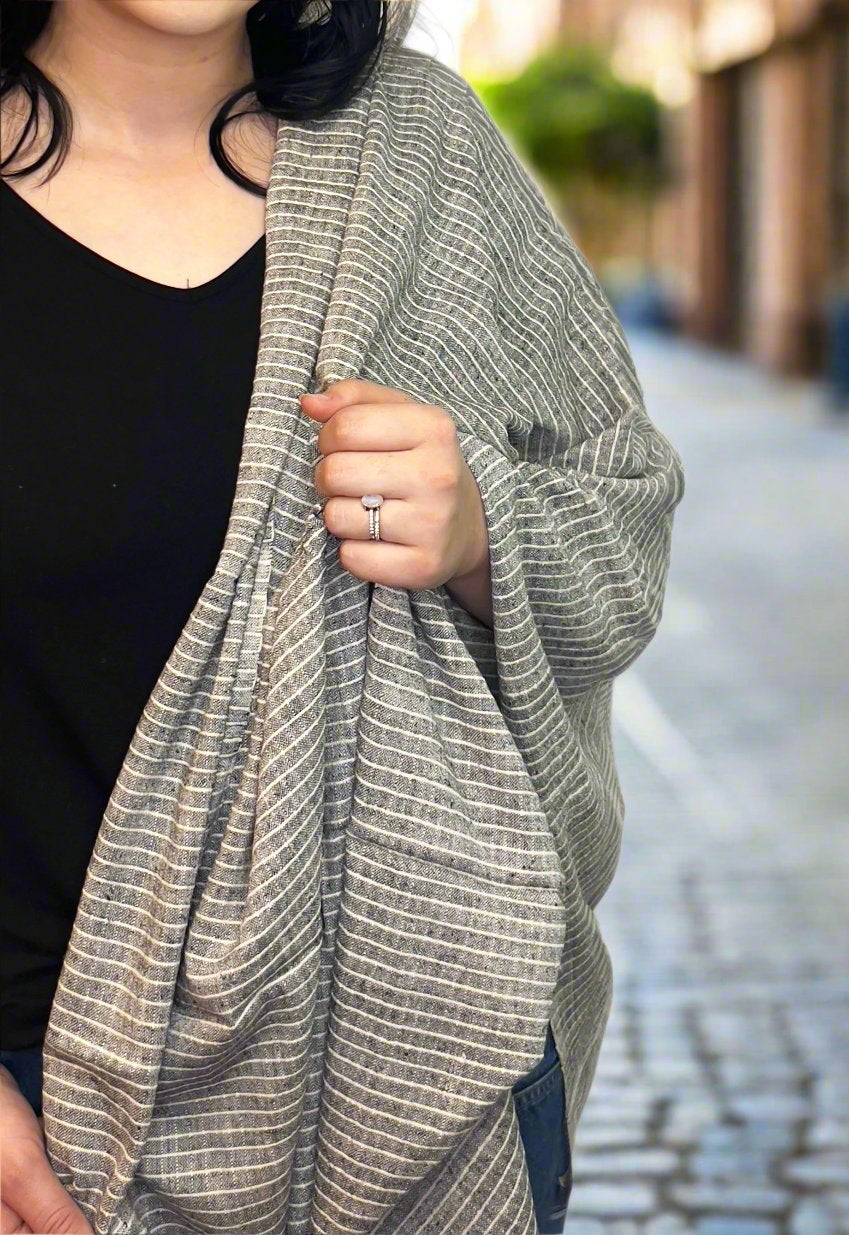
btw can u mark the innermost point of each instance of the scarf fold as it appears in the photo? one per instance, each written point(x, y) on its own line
point(349, 868)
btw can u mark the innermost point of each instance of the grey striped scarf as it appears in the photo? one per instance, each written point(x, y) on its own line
point(349, 867)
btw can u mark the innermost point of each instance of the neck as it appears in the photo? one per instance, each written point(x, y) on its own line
point(136, 89)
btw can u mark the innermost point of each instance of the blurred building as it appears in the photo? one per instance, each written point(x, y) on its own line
point(438, 28)
point(768, 204)
point(501, 37)
point(753, 234)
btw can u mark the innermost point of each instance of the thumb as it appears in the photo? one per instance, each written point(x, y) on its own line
point(43, 1203)
point(318, 406)
point(10, 1223)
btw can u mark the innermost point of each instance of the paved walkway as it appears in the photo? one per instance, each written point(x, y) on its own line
point(721, 1100)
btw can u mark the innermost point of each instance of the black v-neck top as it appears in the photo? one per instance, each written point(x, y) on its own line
point(121, 444)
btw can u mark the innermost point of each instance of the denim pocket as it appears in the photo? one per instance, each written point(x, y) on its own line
point(540, 1101)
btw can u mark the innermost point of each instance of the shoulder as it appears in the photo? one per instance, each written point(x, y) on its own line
point(425, 96)
point(421, 90)
point(405, 68)
point(439, 145)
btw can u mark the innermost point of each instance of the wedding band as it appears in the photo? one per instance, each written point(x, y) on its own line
point(372, 503)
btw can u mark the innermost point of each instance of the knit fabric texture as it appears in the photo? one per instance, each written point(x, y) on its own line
point(349, 869)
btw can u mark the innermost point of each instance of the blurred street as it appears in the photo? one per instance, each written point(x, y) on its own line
point(721, 1100)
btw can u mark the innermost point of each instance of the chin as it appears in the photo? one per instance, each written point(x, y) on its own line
point(184, 16)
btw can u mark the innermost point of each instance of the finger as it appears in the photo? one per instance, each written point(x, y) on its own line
point(324, 404)
point(400, 522)
point(379, 426)
point(401, 566)
point(10, 1222)
point(351, 473)
point(34, 1190)
point(357, 390)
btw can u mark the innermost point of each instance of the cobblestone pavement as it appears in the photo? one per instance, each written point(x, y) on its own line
point(721, 1100)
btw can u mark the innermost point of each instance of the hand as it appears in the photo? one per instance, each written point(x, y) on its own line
point(432, 522)
point(32, 1197)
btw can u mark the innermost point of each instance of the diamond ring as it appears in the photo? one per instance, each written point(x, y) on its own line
point(372, 503)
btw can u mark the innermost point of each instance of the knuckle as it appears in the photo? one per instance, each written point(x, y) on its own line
point(14, 1225)
point(59, 1220)
point(426, 570)
point(435, 520)
point(444, 476)
point(344, 429)
point(346, 389)
point(333, 515)
point(444, 426)
point(347, 554)
point(332, 471)
point(438, 516)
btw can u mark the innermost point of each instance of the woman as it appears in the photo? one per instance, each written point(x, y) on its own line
point(329, 874)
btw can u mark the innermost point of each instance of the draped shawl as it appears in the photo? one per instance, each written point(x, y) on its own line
point(349, 868)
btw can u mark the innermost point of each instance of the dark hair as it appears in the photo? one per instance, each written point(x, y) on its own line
point(301, 68)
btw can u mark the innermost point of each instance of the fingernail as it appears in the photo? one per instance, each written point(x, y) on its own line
point(319, 398)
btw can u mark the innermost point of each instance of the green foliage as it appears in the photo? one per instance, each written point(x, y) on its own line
point(574, 120)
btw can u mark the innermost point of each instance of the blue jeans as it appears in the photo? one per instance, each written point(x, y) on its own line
point(539, 1098)
point(540, 1101)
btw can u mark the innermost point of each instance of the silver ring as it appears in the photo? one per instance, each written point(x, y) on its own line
point(372, 503)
